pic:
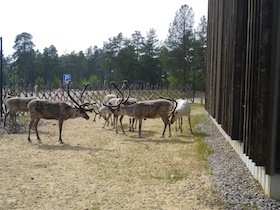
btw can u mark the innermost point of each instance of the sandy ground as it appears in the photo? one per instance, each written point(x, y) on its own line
point(97, 168)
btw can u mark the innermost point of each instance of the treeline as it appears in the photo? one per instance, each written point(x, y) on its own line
point(178, 61)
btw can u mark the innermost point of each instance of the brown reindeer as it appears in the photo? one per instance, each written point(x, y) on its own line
point(145, 109)
point(60, 111)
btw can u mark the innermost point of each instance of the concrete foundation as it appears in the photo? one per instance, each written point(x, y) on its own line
point(270, 184)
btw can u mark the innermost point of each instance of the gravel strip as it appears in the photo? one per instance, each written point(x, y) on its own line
point(236, 187)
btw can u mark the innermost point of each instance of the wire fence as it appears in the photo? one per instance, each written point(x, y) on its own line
point(96, 94)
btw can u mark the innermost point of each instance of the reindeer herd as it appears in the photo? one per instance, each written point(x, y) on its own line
point(112, 109)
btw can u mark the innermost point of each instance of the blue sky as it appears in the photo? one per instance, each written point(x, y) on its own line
point(76, 25)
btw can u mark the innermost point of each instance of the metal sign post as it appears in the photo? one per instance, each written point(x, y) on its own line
point(66, 78)
point(1, 78)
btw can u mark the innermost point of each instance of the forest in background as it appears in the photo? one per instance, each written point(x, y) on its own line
point(178, 61)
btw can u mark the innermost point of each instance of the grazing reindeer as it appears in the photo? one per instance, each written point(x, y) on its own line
point(96, 106)
point(183, 109)
point(14, 105)
point(115, 101)
point(145, 109)
point(60, 111)
point(106, 114)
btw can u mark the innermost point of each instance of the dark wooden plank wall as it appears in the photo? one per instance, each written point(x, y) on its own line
point(241, 83)
point(274, 115)
point(239, 73)
point(227, 24)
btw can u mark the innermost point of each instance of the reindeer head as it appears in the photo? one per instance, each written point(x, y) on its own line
point(82, 113)
point(80, 108)
point(116, 107)
point(173, 113)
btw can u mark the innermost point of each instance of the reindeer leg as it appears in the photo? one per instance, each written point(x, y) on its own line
point(116, 123)
point(175, 125)
point(30, 125)
point(121, 118)
point(112, 120)
point(140, 126)
point(60, 131)
point(36, 129)
point(130, 124)
point(162, 136)
point(5, 118)
point(166, 122)
point(189, 117)
point(134, 123)
point(13, 121)
point(94, 117)
point(106, 121)
point(181, 124)
point(169, 126)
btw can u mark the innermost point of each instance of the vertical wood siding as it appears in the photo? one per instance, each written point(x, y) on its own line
point(242, 86)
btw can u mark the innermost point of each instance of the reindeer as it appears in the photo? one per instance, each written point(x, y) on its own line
point(145, 109)
point(115, 101)
point(95, 108)
point(111, 99)
point(183, 109)
point(60, 111)
point(128, 101)
point(14, 105)
point(106, 114)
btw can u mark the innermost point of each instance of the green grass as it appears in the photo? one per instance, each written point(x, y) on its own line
point(203, 151)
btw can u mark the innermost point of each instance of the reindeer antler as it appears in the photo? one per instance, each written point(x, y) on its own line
point(125, 82)
point(81, 106)
point(116, 86)
point(112, 107)
point(68, 92)
point(106, 87)
point(13, 92)
point(172, 100)
point(83, 91)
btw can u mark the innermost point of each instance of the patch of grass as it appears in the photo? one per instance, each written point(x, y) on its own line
point(196, 119)
point(196, 105)
point(201, 154)
point(203, 151)
point(172, 174)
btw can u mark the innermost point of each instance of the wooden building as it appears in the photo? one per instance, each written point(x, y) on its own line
point(243, 81)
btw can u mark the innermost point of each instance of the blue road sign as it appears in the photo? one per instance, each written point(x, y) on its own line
point(66, 78)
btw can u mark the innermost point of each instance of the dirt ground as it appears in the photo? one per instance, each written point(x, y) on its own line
point(97, 168)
